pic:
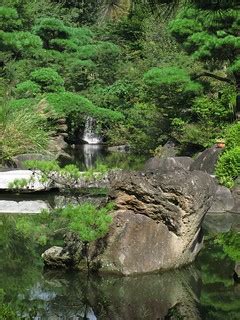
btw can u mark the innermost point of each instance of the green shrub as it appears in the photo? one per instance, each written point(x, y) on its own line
point(70, 103)
point(230, 242)
point(87, 221)
point(51, 28)
point(9, 19)
point(79, 74)
point(228, 167)
point(48, 79)
point(64, 45)
point(173, 76)
point(20, 43)
point(209, 108)
point(27, 89)
point(232, 136)
point(7, 313)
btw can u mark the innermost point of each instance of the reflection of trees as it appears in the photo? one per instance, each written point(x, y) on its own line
point(206, 292)
point(219, 295)
point(141, 297)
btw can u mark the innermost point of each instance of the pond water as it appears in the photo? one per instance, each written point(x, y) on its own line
point(203, 290)
point(88, 155)
point(85, 157)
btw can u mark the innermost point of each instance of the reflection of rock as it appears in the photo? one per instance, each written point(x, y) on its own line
point(123, 148)
point(129, 298)
point(168, 164)
point(207, 160)
point(223, 200)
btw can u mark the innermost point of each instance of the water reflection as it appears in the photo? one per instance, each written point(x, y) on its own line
point(87, 156)
point(90, 154)
point(58, 295)
point(203, 291)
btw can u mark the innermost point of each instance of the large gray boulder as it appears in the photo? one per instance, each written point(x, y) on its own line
point(223, 201)
point(207, 160)
point(236, 200)
point(157, 222)
point(168, 163)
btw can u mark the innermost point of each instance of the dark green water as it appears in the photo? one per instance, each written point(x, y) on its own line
point(204, 290)
point(87, 156)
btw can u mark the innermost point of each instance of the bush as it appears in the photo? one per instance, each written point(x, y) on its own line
point(232, 136)
point(51, 28)
point(9, 19)
point(172, 89)
point(21, 43)
point(48, 79)
point(228, 167)
point(7, 313)
point(70, 103)
point(87, 221)
point(208, 108)
point(27, 89)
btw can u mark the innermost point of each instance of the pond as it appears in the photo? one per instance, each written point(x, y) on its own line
point(84, 157)
point(203, 290)
point(88, 155)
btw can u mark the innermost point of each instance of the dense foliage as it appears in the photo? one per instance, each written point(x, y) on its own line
point(147, 71)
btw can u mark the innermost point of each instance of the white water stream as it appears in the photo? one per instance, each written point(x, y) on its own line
point(89, 134)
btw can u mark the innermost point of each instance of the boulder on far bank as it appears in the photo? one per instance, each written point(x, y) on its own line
point(207, 160)
point(168, 164)
point(236, 200)
point(223, 201)
point(121, 148)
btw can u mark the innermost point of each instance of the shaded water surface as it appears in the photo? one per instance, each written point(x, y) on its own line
point(204, 290)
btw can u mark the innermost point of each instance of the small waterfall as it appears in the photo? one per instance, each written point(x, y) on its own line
point(89, 135)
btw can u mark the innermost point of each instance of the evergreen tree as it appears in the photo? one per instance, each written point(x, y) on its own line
point(213, 37)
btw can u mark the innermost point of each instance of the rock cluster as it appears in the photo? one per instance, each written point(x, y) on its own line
point(157, 224)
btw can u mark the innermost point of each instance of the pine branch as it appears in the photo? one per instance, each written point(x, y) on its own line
point(214, 76)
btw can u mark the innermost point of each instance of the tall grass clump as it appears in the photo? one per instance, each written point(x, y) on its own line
point(21, 131)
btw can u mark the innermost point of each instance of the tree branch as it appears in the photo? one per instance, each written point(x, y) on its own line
point(214, 76)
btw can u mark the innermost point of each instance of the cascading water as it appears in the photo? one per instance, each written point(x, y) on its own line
point(89, 134)
point(91, 149)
